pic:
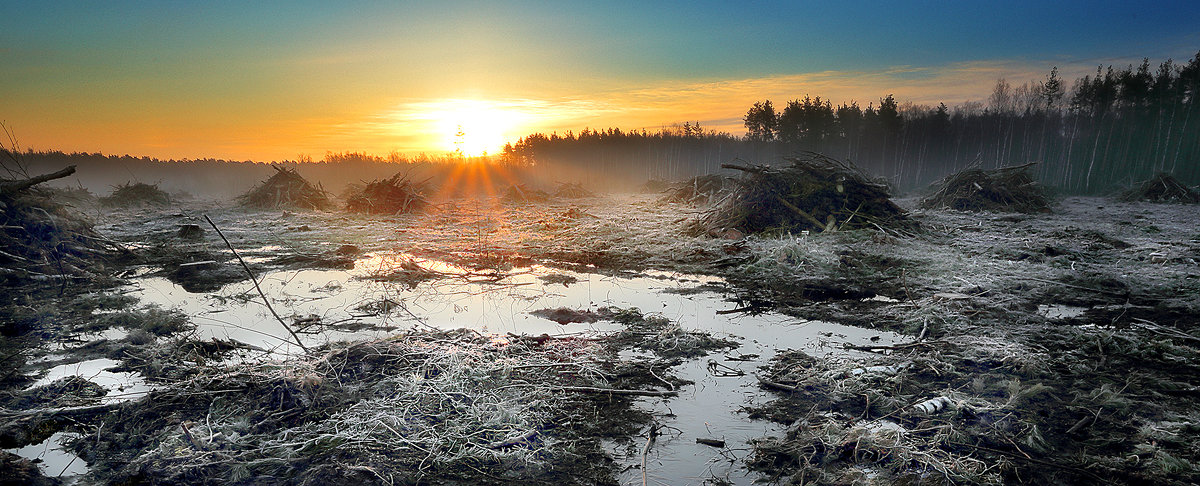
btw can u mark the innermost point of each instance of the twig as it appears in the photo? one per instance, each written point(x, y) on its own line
point(618, 391)
point(646, 449)
point(776, 385)
point(1099, 291)
point(513, 441)
point(895, 347)
point(1084, 472)
point(1165, 331)
point(256, 287)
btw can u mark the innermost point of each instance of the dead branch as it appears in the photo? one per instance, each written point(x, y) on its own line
point(256, 287)
point(10, 187)
point(617, 391)
point(71, 412)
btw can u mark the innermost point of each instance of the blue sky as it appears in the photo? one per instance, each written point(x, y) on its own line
point(268, 80)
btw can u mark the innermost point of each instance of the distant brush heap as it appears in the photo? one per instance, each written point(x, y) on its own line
point(524, 193)
point(572, 190)
point(136, 194)
point(698, 190)
point(286, 189)
point(1003, 189)
point(1162, 188)
point(394, 195)
point(41, 239)
point(814, 193)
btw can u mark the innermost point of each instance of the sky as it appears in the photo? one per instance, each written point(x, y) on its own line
point(275, 80)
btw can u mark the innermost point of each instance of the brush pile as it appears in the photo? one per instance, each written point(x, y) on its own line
point(286, 189)
point(1004, 189)
point(654, 186)
point(523, 193)
point(1162, 188)
point(136, 195)
point(394, 195)
point(73, 196)
point(815, 193)
point(572, 190)
point(39, 239)
point(698, 190)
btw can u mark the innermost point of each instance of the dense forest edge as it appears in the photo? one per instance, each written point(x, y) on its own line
point(1106, 132)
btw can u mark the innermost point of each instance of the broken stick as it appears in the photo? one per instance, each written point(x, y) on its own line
point(256, 287)
point(9, 187)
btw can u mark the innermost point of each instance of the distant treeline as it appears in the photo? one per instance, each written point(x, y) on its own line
point(218, 177)
point(1105, 132)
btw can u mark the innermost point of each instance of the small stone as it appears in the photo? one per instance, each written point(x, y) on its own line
point(190, 231)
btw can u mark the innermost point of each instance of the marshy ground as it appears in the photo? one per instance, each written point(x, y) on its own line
point(592, 341)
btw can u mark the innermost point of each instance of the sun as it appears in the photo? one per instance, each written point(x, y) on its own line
point(475, 127)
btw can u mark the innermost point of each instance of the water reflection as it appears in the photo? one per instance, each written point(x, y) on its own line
point(387, 292)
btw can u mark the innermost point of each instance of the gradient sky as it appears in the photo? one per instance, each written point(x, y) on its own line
point(269, 81)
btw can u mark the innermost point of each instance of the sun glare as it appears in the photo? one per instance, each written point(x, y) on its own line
point(475, 127)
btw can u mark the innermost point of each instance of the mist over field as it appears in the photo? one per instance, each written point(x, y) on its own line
point(600, 243)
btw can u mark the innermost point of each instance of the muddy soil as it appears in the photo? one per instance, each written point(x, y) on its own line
point(989, 348)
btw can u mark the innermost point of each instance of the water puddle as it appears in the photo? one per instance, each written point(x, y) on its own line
point(385, 293)
point(52, 459)
point(1058, 311)
point(122, 386)
point(711, 408)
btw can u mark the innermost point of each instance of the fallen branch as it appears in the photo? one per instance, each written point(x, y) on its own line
point(801, 212)
point(776, 385)
point(617, 391)
point(513, 441)
point(1098, 478)
point(895, 347)
point(10, 187)
point(72, 412)
point(256, 287)
point(1078, 287)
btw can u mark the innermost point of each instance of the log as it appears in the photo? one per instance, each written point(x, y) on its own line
point(10, 187)
point(71, 412)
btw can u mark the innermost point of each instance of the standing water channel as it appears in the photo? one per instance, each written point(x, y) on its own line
point(386, 294)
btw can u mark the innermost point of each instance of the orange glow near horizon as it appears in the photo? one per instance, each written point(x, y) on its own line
point(473, 178)
point(380, 126)
point(475, 130)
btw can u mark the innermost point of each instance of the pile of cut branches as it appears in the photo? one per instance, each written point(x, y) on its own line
point(136, 194)
point(286, 189)
point(698, 190)
point(39, 238)
point(572, 190)
point(1003, 189)
point(1161, 188)
point(814, 193)
point(654, 186)
point(523, 193)
point(394, 195)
